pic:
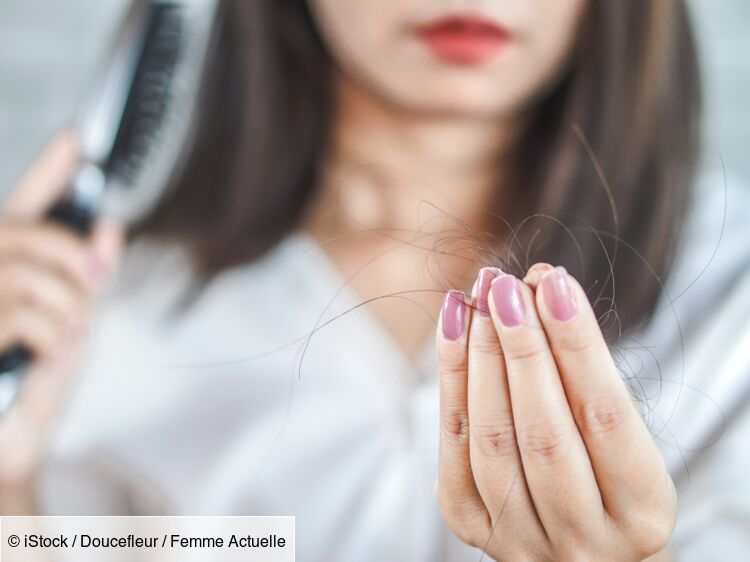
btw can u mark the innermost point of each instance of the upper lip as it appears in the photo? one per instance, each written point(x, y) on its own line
point(468, 23)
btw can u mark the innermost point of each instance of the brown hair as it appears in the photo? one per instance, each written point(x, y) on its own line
point(609, 151)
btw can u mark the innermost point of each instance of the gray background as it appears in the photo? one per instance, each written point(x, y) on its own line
point(47, 49)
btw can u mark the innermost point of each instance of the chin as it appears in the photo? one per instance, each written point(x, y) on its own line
point(449, 97)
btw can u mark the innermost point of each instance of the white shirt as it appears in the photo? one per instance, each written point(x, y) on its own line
point(196, 414)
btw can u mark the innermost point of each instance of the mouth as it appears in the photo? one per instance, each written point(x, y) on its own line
point(464, 40)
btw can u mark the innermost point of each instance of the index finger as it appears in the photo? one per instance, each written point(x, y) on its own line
point(45, 181)
point(555, 463)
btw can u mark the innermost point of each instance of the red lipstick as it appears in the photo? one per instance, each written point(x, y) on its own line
point(465, 40)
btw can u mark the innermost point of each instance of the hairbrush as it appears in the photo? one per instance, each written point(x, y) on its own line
point(133, 125)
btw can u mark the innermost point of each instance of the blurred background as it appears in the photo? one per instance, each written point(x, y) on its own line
point(48, 49)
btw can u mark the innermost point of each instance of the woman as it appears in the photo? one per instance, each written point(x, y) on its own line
point(383, 153)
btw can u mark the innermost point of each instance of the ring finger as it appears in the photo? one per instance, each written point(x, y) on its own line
point(495, 459)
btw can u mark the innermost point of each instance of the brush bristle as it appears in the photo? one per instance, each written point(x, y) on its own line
point(149, 96)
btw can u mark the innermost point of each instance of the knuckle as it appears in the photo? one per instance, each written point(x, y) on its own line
point(574, 553)
point(495, 437)
point(6, 235)
point(76, 318)
point(650, 527)
point(16, 318)
point(464, 533)
point(16, 473)
point(465, 519)
point(603, 415)
point(454, 425)
point(581, 547)
point(650, 534)
point(452, 362)
point(15, 284)
point(60, 336)
point(14, 238)
point(17, 241)
point(572, 339)
point(468, 528)
point(41, 336)
point(525, 351)
point(485, 343)
point(545, 440)
point(18, 469)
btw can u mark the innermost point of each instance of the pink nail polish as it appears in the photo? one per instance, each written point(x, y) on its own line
point(508, 301)
point(454, 315)
point(484, 280)
point(97, 269)
point(559, 295)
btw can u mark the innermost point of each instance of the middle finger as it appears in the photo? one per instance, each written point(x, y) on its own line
point(555, 463)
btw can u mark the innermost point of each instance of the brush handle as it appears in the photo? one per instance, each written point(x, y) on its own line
point(74, 215)
point(14, 362)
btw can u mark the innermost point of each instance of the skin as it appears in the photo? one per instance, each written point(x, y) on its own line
point(376, 46)
point(542, 454)
point(539, 438)
point(417, 143)
point(49, 279)
point(412, 134)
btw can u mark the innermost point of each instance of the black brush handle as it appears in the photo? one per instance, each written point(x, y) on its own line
point(80, 220)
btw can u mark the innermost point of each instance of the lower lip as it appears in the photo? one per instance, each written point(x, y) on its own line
point(465, 44)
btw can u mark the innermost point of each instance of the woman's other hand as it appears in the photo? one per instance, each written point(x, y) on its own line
point(543, 455)
point(49, 278)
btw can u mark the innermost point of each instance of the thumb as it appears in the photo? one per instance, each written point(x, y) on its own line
point(107, 243)
point(45, 181)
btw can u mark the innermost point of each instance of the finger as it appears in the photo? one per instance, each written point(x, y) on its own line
point(455, 491)
point(42, 390)
point(495, 459)
point(26, 282)
point(626, 462)
point(55, 247)
point(556, 466)
point(35, 329)
point(45, 181)
point(107, 242)
point(535, 273)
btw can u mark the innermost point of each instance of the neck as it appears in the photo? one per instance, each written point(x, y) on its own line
point(398, 193)
point(391, 169)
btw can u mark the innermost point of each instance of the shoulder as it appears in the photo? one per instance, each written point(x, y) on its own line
point(151, 360)
point(716, 233)
point(690, 368)
point(158, 278)
point(712, 265)
point(695, 362)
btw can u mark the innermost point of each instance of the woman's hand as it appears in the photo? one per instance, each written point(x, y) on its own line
point(48, 279)
point(543, 455)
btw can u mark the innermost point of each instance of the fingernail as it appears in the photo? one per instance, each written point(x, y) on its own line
point(453, 315)
point(536, 271)
point(508, 301)
point(77, 331)
point(559, 295)
point(484, 280)
point(97, 269)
